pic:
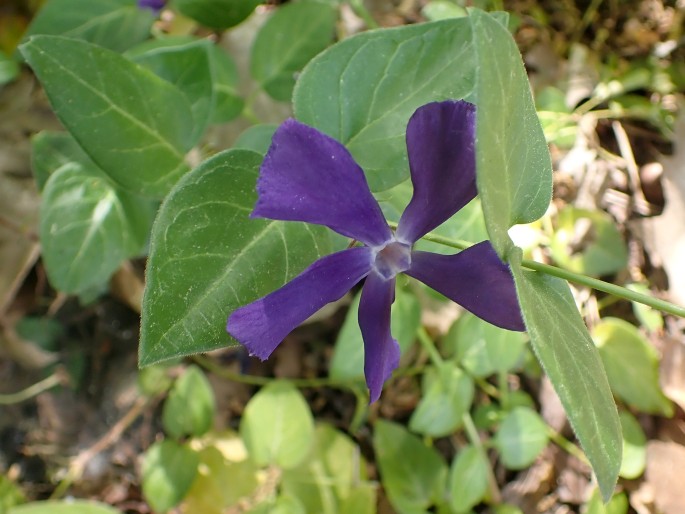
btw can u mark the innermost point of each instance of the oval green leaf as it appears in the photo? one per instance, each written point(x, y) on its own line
point(369, 95)
point(119, 113)
point(277, 426)
point(412, 473)
point(169, 470)
point(207, 257)
point(634, 447)
point(514, 169)
point(189, 408)
point(217, 14)
point(292, 36)
point(468, 480)
point(521, 437)
point(566, 352)
point(88, 227)
point(632, 366)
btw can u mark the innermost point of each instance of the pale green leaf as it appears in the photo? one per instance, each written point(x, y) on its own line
point(168, 471)
point(468, 480)
point(52, 150)
point(207, 257)
point(190, 407)
point(277, 426)
point(64, 507)
point(256, 138)
point(632, 366)
point(521, 437)
point(634, 447)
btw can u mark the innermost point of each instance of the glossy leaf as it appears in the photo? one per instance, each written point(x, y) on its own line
point(347, 362)
point(564, 348)
point(64, 507)
point(412, 473)
point(118, 112)
point(447, 396)
point(588, 242)
point(168, 472)
point(369, 95)
point(277, 426)
point(288, 40)
point(217, 14)
point(188, 66)
point(513, 162)
point(207, 257)
point(88, 227)
point(484, 349)
point(521, 437)
point(468, 481)
point(190, 407)
point(632, 366)
point(113, 24)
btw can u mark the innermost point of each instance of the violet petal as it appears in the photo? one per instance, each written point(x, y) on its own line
point(476, 279)
point(442, 161)
point(381, 351)
point(309, 176)
point(261, 325)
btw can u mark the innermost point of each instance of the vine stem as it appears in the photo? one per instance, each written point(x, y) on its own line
point(577, 278)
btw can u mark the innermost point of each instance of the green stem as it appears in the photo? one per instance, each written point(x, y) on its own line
point(474, 439)
point(567, 445)
point(360, 10)
point(429, 347)
point(571, 276)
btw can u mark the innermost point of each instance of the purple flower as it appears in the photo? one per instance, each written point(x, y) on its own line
point(308, 176)
point(153, 5)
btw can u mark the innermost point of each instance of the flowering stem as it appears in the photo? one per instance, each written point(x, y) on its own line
point(571, 276)
point(429, 347)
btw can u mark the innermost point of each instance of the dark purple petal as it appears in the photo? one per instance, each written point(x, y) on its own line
point(154, 5)
point(381, 351)
point(442, 161)
point(261, 325)
point(476, 279)
point(308, 176)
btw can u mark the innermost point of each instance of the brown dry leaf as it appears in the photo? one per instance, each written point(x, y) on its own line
point(665, 475)
point(664, 235)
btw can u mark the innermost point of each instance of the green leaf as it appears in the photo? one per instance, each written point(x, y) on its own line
point(347, 362)
point(287, 41)
point(634, 447)
point(88, 227)
point(617, 505)
point(651, 319)
point(513, 162)
point(256, 138)
point(119, 113)
point(10, 494)
point(331, 474)
point(484, 349)
point(168, 470)
point(207, 257)
point(190, 407)
point(570, 359)
point(216, 14)
point(521, 437)
point(447, 396)
point(277, 426)
point(52, 150)
point(187, 64)
point(113, 24)
point(229, 103)
point(64, 507)
point(9, 69)
point(632, 366)
point(442, 10)
point(369, 95)
point(412, 473)
point(468, 481)
point(588, 242)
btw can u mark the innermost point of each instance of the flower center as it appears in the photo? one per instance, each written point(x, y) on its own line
point(391, 259)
